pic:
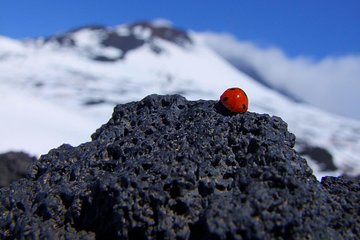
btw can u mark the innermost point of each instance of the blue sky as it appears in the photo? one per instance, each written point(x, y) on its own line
point(314, 28)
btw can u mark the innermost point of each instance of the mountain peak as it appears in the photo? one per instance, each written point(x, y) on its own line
point(94, 39)
point(162, 22)
point(163, 31)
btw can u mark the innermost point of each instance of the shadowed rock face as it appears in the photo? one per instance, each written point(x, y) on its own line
point(166, 168)
point(14, 165)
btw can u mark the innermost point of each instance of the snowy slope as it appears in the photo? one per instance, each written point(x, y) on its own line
point(79, 76)
point(29, 123)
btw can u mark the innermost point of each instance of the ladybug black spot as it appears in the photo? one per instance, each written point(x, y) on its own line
point(244, 106)
point(225, 99)
point(232, 88)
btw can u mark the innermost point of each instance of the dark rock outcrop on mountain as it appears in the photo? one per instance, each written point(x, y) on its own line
point(321, 156)
point(168, 168)
point(130, 37)
point(14, 165)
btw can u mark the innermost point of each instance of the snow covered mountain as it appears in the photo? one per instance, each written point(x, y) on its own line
point(59, 89)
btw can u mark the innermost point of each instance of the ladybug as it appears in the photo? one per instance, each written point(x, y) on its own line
point(235, 100)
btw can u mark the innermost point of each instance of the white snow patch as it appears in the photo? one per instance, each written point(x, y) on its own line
point(87, 38)
point(123, 30)
point(10, 45)
point(161, 22)
point(33, 125)
point(142, 32)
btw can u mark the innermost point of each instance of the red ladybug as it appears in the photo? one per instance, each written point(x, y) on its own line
point(235, 100)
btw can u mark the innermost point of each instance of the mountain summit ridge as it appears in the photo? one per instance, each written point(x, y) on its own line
point(123, 38)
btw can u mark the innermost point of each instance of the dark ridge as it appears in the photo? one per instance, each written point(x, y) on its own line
point(124, 43)
point(90, 26)
point(168, 168)
point(321, 156)
point(106, 59)
point(13, 166)
point(92, 102)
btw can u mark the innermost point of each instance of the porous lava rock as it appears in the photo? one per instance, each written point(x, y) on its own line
point(168, 168)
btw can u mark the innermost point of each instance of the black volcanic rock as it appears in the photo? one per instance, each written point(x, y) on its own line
point(345, 191)
point(168, 168)
point(14, 165)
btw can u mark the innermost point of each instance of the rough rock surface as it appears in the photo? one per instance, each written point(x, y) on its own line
point(14, 165)
point(168, 168)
